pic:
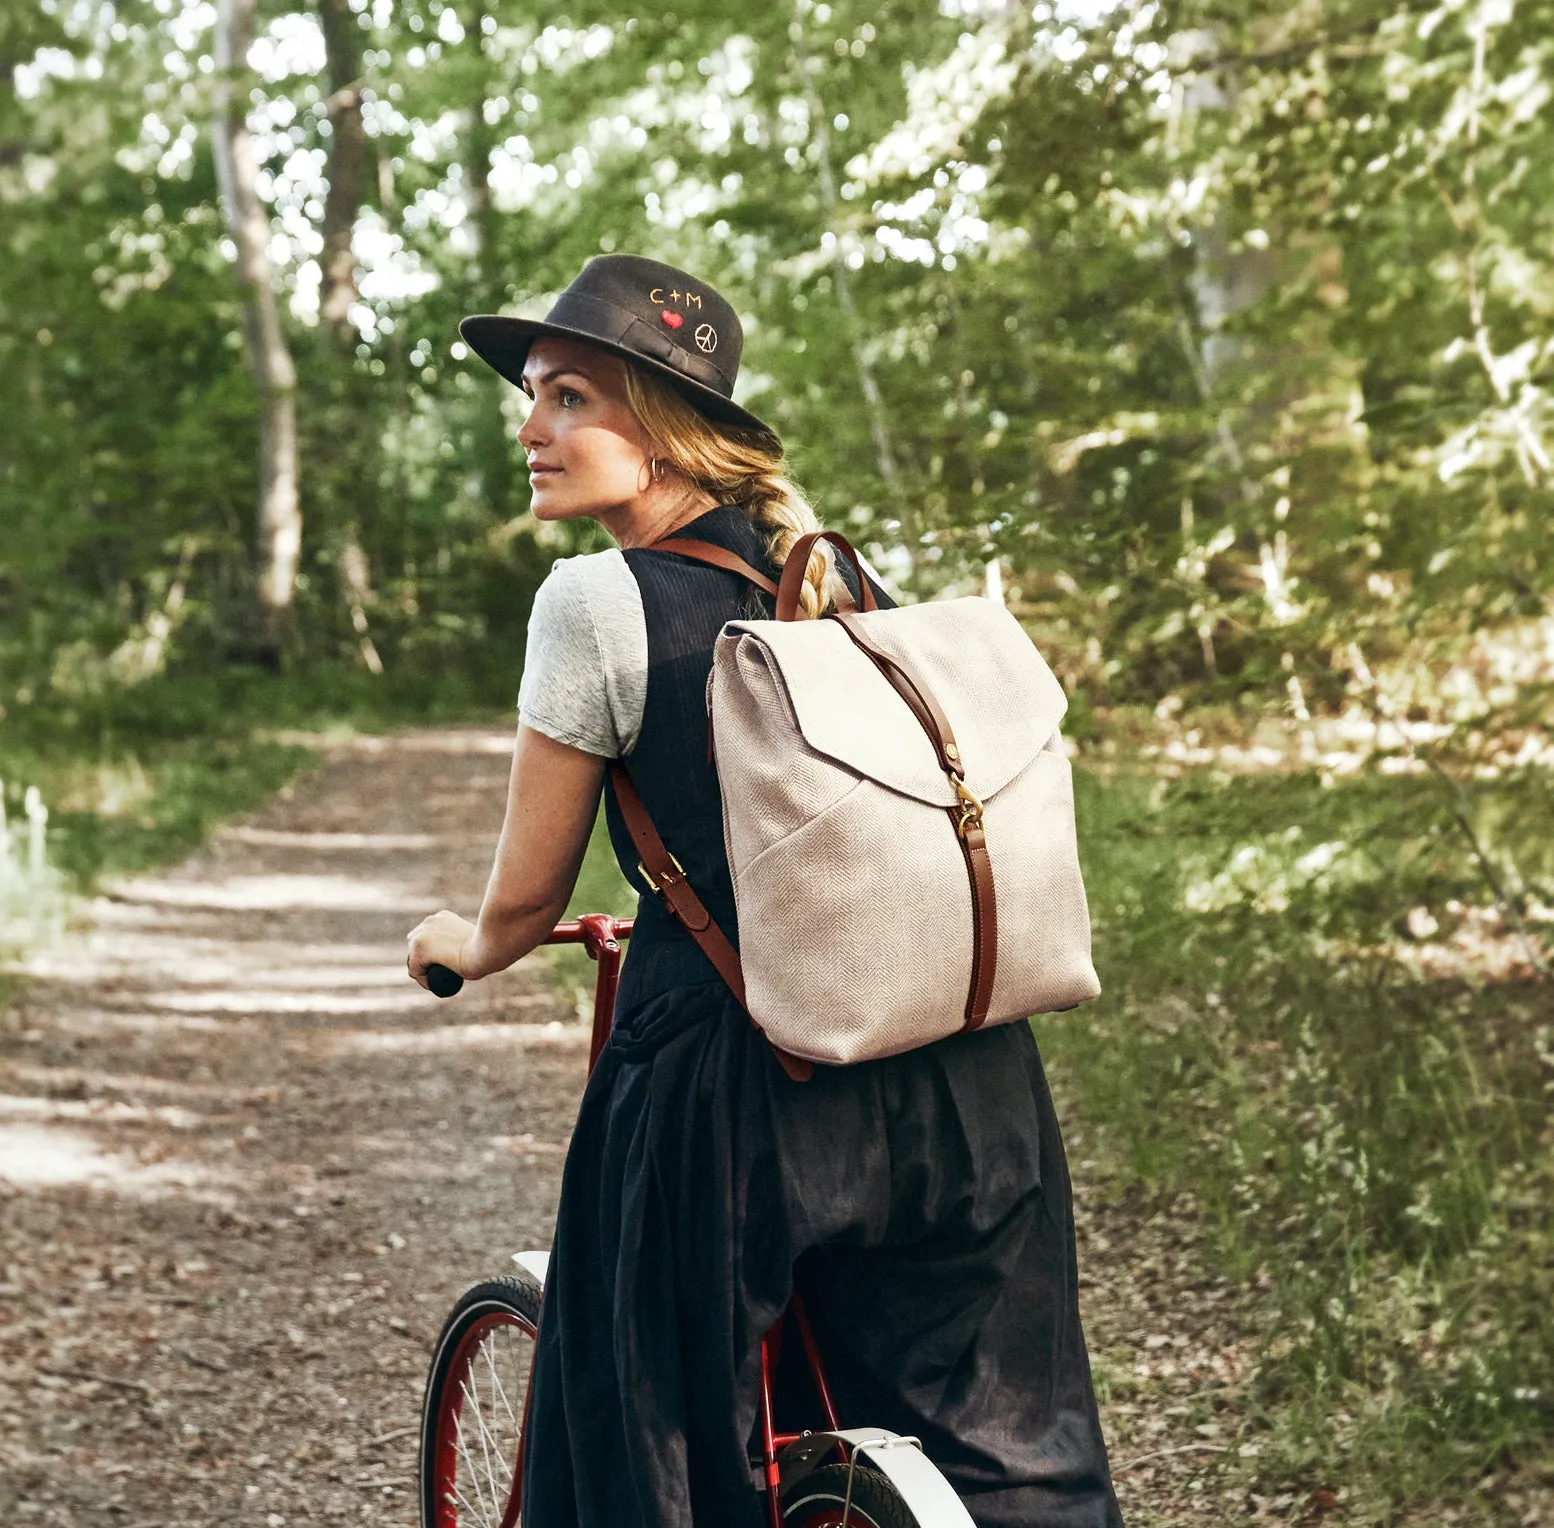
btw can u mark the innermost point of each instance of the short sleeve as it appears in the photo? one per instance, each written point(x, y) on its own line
point(585, 665)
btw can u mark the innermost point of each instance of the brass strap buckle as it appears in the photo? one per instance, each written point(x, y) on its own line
point(970, 807)
point(642, 870)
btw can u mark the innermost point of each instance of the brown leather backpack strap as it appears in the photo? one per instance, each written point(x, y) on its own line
point(966, 817)
point(717, 556)
point(797, 565)
point(664, 873)
point(796, 1067)
point(911, 689)
point(984, 920)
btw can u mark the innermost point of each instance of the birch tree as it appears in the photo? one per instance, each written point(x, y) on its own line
point(346, 166)
point(269, 357)
point(345, 171)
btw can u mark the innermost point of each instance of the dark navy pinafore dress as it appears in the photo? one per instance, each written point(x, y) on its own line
point(921, 1203)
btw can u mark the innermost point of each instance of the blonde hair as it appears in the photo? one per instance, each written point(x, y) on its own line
point(743, 467)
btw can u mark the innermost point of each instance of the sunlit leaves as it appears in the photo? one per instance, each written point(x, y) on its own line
point(1225, 329)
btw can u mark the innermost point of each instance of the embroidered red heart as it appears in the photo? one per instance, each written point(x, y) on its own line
point(674, 320)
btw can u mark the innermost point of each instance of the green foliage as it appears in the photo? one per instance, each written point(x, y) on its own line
point(1367, 1131)
point(1225, 329)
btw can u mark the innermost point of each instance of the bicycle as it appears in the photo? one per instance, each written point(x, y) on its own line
point(475, 1409)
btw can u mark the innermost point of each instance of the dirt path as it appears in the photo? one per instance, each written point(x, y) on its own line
point(245, 1166)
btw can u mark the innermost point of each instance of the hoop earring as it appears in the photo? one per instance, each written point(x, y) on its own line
point(655, 469)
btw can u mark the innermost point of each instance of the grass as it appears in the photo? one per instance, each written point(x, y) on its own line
point(1366, 1135)
point(138, 777)
point(157, 803)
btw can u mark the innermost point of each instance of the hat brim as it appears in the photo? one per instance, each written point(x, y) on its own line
point(504, 344)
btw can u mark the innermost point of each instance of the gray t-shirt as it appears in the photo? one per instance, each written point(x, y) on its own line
point(585, 666)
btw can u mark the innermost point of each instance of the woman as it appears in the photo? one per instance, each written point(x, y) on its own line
point(921, 1202)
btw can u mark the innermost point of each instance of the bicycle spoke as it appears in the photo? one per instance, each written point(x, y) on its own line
point(512, 1416)
point(500, 1433)
point(466, 1455)
point(472, 1399)
point(463, 1501)
point(488, 1353)
point(488, 1439)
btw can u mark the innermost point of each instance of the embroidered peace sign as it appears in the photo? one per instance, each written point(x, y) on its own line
point(707, 338)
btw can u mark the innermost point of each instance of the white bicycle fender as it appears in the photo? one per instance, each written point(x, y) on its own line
point(535, 1264)
point(904, 1464)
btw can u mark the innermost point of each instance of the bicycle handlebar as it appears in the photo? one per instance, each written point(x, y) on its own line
point(597, 931)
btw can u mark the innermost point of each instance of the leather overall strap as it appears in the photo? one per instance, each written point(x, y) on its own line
point(664, 873)
point(793, 569)
point(965, 817)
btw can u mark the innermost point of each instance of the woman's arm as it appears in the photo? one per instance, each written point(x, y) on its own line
point(552, 795)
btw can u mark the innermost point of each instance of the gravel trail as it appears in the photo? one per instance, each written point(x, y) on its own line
point(245, 1166)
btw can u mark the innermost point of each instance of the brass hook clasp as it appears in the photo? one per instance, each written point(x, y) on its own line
point(970, 807)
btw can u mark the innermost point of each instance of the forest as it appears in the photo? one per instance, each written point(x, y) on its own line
point(1216, 340)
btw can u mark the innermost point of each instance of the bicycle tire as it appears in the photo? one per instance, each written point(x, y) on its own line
point(479, 1372)
point(818, 1500)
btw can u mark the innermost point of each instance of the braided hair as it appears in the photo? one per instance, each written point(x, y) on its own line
point(746, 468)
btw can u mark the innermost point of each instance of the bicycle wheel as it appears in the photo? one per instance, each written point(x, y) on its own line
point(819, 1499)
point(473, 1415)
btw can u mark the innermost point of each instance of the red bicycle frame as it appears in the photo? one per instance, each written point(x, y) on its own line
point(601, 936)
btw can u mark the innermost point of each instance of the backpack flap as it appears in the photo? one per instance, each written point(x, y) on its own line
point(1000, 698)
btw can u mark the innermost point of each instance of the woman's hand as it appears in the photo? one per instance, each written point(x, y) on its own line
point(439, 941)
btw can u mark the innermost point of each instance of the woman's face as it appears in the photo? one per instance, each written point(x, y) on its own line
point(587, 453)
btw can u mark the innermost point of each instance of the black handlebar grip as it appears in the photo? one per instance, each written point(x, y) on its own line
point(443, 981)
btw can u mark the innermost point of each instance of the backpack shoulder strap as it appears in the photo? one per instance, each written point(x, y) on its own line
point(720, 557)
point(717, 556)
point(664, 873)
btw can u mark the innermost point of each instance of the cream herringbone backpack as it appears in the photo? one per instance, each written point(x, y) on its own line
point(899, 818)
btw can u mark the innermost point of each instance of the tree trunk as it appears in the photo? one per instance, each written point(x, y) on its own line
point(275, 377)
point(493, 448)
point(841, 280)
point(347, 166)
point(1224, 283)
point(338, 291)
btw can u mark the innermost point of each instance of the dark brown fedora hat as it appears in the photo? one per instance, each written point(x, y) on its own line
point(653, 314)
